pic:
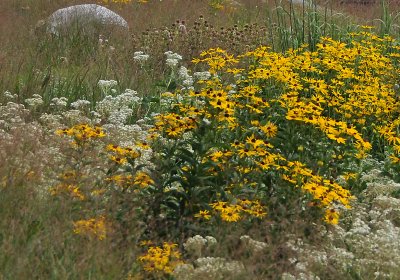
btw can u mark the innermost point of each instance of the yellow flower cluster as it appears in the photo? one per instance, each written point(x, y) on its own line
point(334, 130)
point(69, 190)
point(120, 155)
point(173, 124)
point(95, 227)
point(140, 179)
point(390, 132)
point(82, 133)
point(217, 59)
point(337, 93)
point(203, 214)
point(234, 212)
point(124, 155)
point(161, 259)
point(331, 216)
point(325, 193)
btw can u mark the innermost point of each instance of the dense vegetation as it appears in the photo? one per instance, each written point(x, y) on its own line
point(222, 140)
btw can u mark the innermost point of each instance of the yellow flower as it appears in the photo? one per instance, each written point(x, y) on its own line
point(230, 215)
point(82, 133)
point(246, 153)
point(331, 217)
point(341, 140)
point(161, 259)
point(112, 147)
point(220, 205)
point(144, 145)
point(395, 159)
point(258, 211)
point(67, 189)
point(269, 129)
point(119, 160)
point(142, 179)
point(92, 227)
point(316, 190)
point(348, 175)
point(252, 140)
point(204, 214)
point(173, 131)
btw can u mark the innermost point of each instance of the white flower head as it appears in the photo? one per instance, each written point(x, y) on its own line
point(80, 104)
point(252, 244)
point(172, 62)
point(205, 75)
point(106, 85)
point(35, 101)
point(211, 240)
point(140, 57)
point(8, 95)
point(172, 55)
point(195, 245)
point(172, 59)
point(183, 73)
point(59, 102)
point(120, 116)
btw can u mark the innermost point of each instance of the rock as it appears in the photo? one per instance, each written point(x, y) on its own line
point(86, 16)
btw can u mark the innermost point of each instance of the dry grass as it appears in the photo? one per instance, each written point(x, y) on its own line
point(27, 61)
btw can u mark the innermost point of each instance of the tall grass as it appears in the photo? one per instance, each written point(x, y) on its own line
point(47, 62)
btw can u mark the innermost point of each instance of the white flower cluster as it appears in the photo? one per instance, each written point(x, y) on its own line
point(202, 76)
point(106, 85)
point(359, 227)
point(172, 59)
point(187, 80)
point(378, 184)
point(308, 255)
point(120, 116)
point(72, 117)
point(206, 267)
point(300, 276)
point(81, 105)
point(25, 148)
point(167, 99)
point(209, 268)
point(253, 245)
point(117, 109)
point(35, 101)
point(233, 89)
point(59, 103)
point(9, 96)
point(127, 135)
point(51, 121)
point(140, 57)
point(367, 243)
point(195, 245)
point(12, 115)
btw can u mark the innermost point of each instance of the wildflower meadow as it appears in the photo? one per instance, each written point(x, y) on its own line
point(214, 139)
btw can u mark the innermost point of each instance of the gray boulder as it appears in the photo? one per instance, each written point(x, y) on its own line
point(84, 17)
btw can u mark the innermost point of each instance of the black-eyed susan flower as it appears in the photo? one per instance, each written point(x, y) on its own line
point(142, 179)
point(95, 227)
point(331, 217)
point(269, 129)
point(161, 259)
point(203, 214)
